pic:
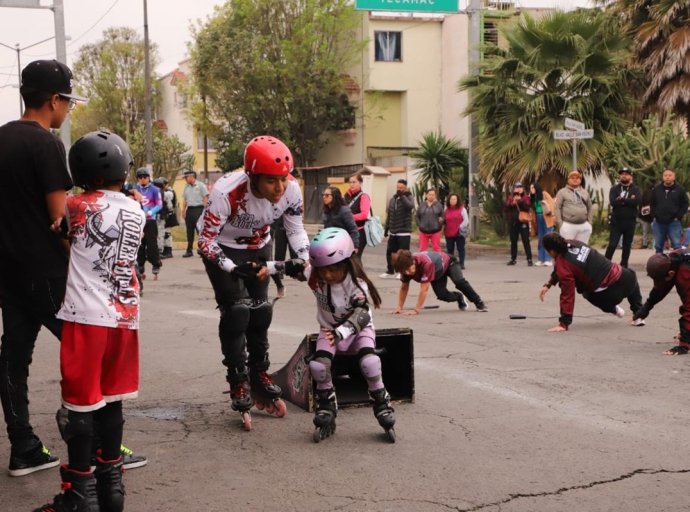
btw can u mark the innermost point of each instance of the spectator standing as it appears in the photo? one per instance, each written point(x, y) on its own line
point(429, 218)
point(517, 208)
point(167, 212)
point(544, 212)
point(624, 199)
point(644, 216)
point(454, 216)
point(337, 215)
point(574, 210)
point(360, 205)
point(194, 199)
point(33, 257)
point(669, 205)
point(398, 226)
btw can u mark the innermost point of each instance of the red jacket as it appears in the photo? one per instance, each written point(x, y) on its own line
point(453, 219)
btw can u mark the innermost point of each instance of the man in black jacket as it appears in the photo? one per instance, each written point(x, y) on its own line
point(669, 205)
point(398, 227)
point(624, 199)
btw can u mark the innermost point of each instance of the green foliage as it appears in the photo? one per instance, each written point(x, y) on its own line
point(111, 74)
point(492, 198)
point(170, 155)
point(276, 67)
point(441, 161)
point(565, 64)
point(647, 149)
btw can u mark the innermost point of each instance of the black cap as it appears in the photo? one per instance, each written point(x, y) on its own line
point(624, 169)
point(49, 76)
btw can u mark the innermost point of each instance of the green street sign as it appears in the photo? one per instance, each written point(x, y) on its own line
point(408, 5)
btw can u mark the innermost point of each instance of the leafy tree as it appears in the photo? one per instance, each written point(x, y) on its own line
point(438, 157)
point(170, 155)
point(661, 33)
point(276, 67)
point(566, 64)
point(111, 74)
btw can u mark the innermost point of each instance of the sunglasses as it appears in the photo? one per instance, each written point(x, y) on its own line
point(326, 195)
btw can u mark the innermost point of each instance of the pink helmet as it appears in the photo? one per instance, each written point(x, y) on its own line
point(330, 246)
point(267, 155)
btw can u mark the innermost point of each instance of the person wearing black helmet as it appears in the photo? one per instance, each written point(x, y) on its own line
point(624, 198)
point(33, 255)
point(99, 349)
point(667, 271)
point(151, 203)
point(194, 198)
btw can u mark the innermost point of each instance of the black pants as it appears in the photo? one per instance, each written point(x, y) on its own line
point(148, 250)
point(362, 242)
point(395, 243)
point(230, 291)
point(520, 229)
point(190, 219)
point(455, 274)
point(27, 305)
point(625, 288)
point(625, 228)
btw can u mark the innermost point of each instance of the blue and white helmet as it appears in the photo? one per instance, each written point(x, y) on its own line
point(330, 246)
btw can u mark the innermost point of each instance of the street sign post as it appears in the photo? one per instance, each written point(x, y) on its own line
point(576, 132)
point(450, 6)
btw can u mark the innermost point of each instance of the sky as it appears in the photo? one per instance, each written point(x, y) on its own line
point(85, 21)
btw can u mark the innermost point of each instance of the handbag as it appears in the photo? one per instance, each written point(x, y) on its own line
point(373, 230)
point(524, 217)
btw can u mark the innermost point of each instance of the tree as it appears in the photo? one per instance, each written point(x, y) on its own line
point(276, 67)
point(562, 65)
point(170, 155)
point(438, 157)
point(661, 32)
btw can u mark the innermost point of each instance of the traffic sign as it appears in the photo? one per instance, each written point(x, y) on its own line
point(573, 134)
point(571, 124)
point(450, 6)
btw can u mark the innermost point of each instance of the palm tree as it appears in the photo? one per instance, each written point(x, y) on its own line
point(562, 65)
point(661, 32)
point(437, 157)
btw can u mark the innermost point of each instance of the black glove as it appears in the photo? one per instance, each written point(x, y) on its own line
point(643, 312)
point(385, 232)
point(294, 267)
point(246, 270)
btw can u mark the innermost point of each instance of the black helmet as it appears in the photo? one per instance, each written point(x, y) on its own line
point(160, 182)
point(99, 158)
point(143, 171)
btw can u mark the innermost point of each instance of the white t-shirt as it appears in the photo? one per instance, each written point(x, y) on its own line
point(102, 287)
point(234, 217)
point(336, 306)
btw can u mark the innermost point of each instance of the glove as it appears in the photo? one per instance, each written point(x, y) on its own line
point(643, 312)
point(342, 332)
point(246, 270)
point(385, 233)
point(294, 267)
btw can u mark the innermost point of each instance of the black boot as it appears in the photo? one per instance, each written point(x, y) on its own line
point(111, 490)
point(79, 494)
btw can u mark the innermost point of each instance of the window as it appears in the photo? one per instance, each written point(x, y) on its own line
point(388, 46)
point(200, 141)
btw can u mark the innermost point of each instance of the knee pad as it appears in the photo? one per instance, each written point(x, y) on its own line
point(74, 424)
point(320, 366)
point(260, 315)
point(370, 364)
point(234, 319)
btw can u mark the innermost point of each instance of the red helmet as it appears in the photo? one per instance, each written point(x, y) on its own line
point(267, 155)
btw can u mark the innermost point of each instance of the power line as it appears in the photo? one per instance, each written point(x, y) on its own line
point(96, 23)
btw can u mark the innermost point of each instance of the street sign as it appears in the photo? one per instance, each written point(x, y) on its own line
point(571, 124)
point(573, 134)
point(408, 5)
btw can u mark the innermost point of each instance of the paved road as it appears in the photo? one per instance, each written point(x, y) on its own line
point(507, 416)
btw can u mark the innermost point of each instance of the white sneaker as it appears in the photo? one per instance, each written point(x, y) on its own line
point(539, 264)
point(638, 322)
point(396, 276)
point(386, 275)
point(548, 263)
point(620, 312)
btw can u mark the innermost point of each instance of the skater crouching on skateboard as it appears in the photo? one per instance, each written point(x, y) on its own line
point(235, 242)
point(579, 268)
point(343, 293)
point(99, 349)
point(667, 271)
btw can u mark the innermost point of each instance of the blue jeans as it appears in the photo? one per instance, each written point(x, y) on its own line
point(662, 231)
point(542, 230)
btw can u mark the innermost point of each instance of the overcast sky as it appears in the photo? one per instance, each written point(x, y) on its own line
point(85, 21)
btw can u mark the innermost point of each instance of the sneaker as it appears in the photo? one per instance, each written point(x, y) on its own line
point(386, 275)
point(548, 263)
point(638, 322)
point(131, 459)
point(462, 303)
point(512, 262)
point(188, 254)
point(539, 264)
point(481, 308)
point(34, 460)
point(529, 263)
point(620, 312)
point(396, 275)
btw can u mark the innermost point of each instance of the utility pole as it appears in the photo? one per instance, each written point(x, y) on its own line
point(147, 92)
point(474, 37)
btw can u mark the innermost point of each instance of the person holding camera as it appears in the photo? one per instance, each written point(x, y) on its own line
point(517, 207)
